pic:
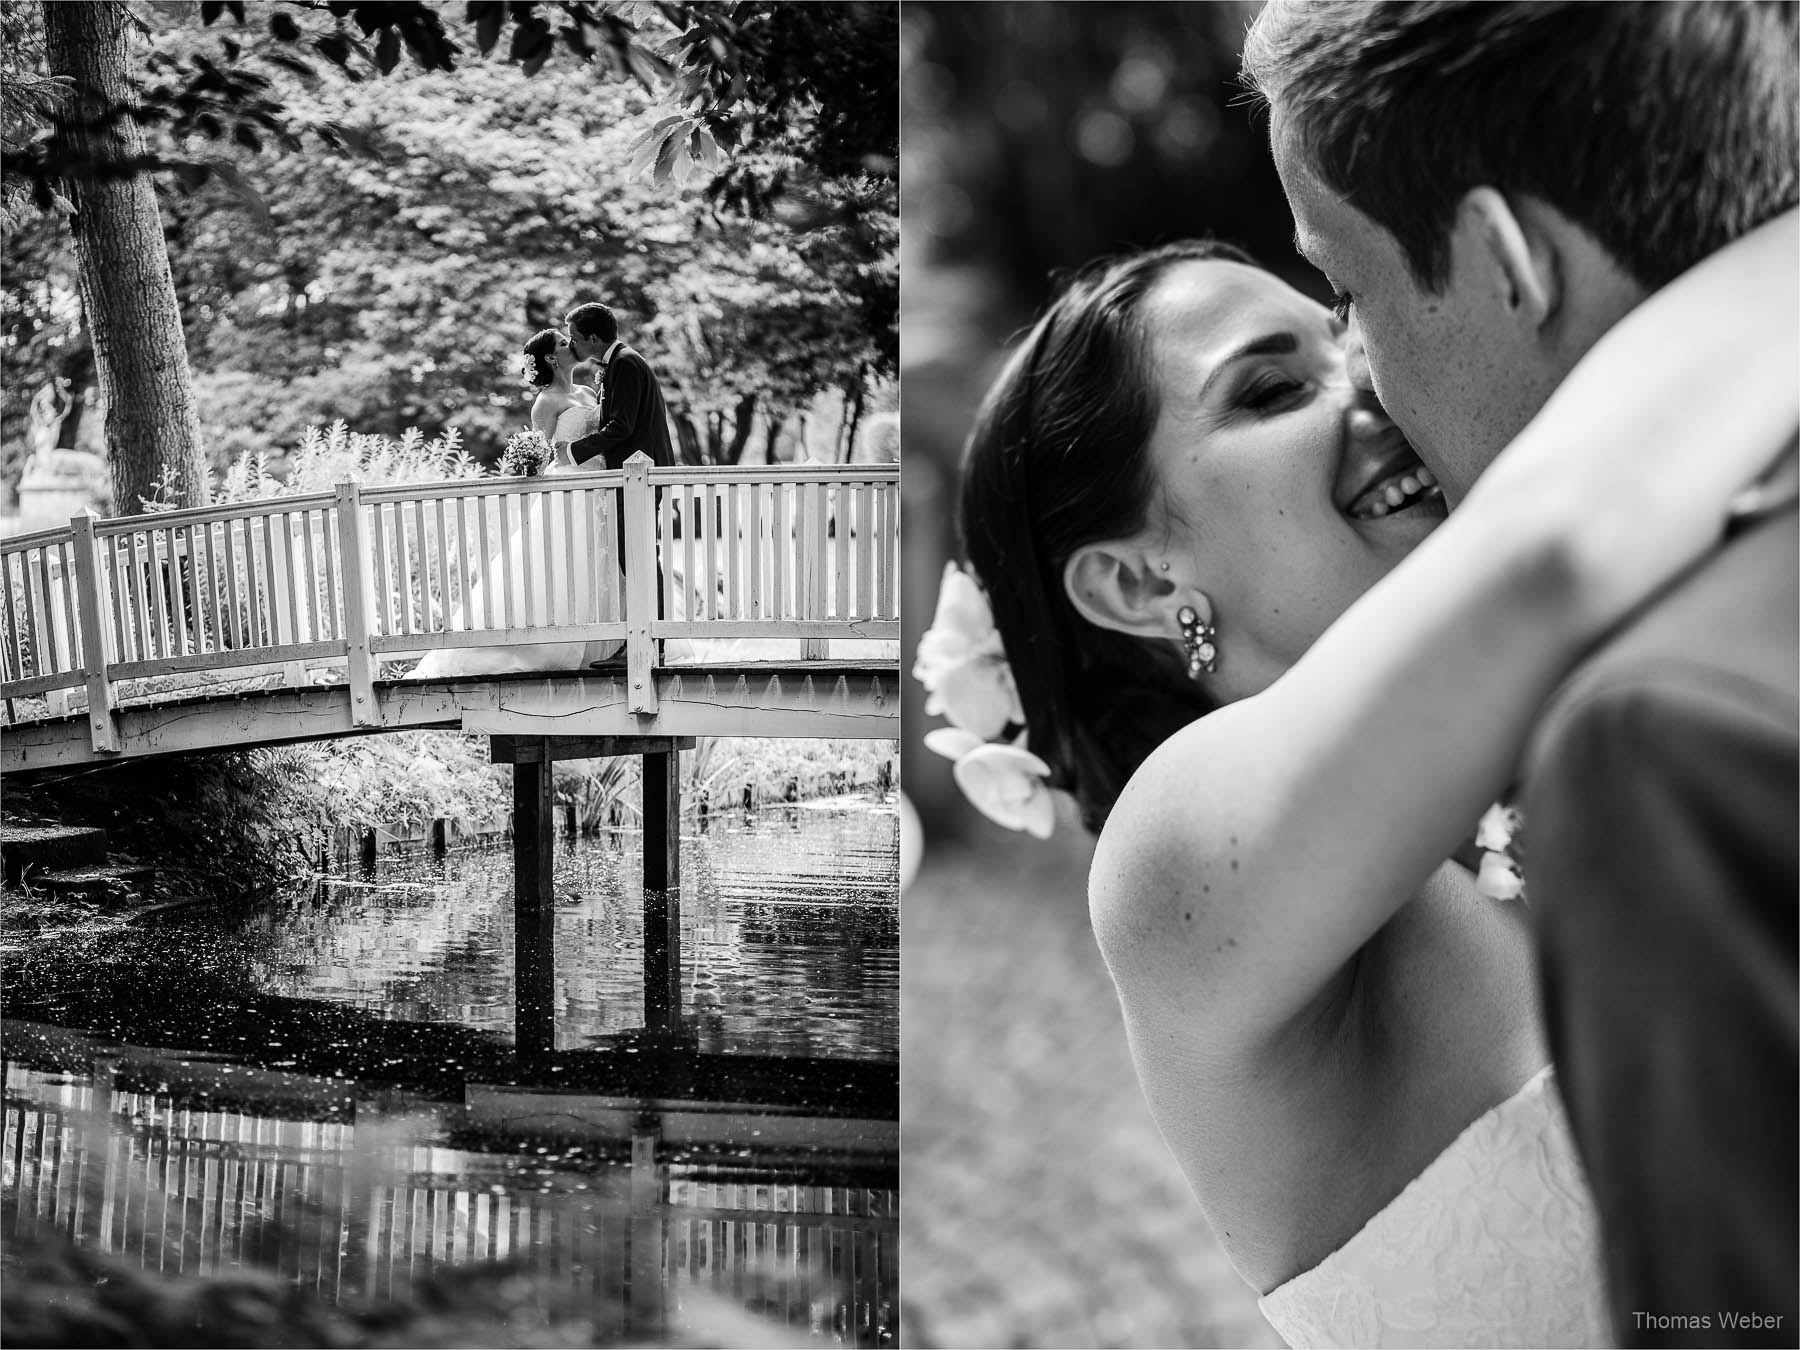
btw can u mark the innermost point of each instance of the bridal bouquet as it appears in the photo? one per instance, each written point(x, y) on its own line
point(962, 664)
point(527, 454)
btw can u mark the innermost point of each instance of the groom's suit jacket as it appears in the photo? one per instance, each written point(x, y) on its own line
point(1661, 850)
point(633, 416)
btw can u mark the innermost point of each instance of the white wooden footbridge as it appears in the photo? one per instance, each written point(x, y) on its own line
point(147, 635)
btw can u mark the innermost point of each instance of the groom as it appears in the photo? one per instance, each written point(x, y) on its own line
point(632, 415)
point(1495, 185)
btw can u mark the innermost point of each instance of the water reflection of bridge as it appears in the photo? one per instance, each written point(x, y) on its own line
point(638, 1202)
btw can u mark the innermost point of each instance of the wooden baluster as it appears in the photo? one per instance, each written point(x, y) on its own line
point(813, 563)
point(571, 586)
point(313, 630)
point(779, 542)
point(484, 563)
point(508, 619)
point(443, 557)
point(868, 494)
point(33, 629)
point(690, 582)
point(353, 566)
point(328, 556)
point(639, 502)
point(140, 559)
point(709, 544)
point(553, 587)
point(102, 733)
point(841, 534)
point(69, 622)
point(15, 634)
point(734, 554)
point(379, 570)
point(756, 516)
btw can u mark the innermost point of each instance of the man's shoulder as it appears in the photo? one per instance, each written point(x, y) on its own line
point(1724, 640)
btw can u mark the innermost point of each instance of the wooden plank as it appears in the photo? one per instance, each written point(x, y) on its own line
point(506, 538)
point(867, 506)
point(639, 505)
point(753, 529)
point(842, 538)
point(353, 564)
point(552, 585)
point(380, 570)
point(779, 538)
point(254, 633)
point(332, 554)
point(33, 628)
point(692, 605)
point(161, 552)
point(734, 559)
point(15, 636)
point(118, 600)
point(181, 600)
point(102, 734)
point(71, 617)
point(403, 569)
point(443, 555)
point(484, 563)
point(272, 581)
point(459, 618)
point(709, 546)
point(313, 632)
point(572, 588)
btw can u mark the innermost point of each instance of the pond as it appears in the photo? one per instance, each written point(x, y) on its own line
point(348, 1088)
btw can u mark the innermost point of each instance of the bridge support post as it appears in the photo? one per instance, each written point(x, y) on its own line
point(662, 888)
point(353, 567)
point(103, 733)
point(534, 907)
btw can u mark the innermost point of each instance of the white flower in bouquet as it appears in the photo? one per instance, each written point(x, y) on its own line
point(527, 454)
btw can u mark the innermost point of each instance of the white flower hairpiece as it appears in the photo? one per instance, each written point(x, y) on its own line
point(962, 664)
point(1501, 877)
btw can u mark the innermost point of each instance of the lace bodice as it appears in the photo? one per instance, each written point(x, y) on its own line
point(1496, 1243)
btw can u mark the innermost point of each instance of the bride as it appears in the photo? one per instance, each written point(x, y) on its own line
point(549, 367)
point(1239, 629)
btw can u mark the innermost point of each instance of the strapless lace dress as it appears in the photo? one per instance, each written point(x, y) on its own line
point(1496, 1243)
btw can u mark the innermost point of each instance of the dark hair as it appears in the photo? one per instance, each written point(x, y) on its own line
point(538, 350)
point(1058, 458)
point(1665, 130)
point(593, 320)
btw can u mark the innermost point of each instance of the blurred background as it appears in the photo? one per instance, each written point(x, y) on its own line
point(1042, 1209)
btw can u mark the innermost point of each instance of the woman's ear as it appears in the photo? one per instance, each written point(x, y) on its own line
point(1517, 252)
point(1118, 586)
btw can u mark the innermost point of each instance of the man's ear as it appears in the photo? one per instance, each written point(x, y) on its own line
point(1514, 250)
point(1117, 585)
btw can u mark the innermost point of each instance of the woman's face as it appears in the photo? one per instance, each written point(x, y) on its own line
point(1284, 492)
point(562, 356)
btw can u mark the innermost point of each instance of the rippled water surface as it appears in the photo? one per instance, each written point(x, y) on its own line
point(331, 1086)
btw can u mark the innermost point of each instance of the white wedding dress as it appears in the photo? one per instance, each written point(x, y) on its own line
point(1496, 1243)
point(536, 599)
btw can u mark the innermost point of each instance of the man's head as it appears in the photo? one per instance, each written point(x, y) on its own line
point(592, 329)
point(1495, 185)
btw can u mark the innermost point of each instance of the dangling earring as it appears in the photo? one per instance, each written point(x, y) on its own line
point(1197, 640)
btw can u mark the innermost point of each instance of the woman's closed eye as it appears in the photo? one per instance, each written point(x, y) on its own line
point(1341, 303)
point(1271, 391)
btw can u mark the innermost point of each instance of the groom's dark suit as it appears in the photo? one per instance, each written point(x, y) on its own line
point(1662, 852)
point(633, 416)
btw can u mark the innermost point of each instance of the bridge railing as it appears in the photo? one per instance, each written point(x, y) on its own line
point(807, 553)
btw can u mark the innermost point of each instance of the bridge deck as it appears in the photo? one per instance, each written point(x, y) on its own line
point(828, 699)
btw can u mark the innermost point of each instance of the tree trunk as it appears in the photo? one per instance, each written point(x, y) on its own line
point(152, 432)
point(689, 438)
point(744, 418)
point(853, 412)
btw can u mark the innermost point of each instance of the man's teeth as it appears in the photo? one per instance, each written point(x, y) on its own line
point(1394, 493)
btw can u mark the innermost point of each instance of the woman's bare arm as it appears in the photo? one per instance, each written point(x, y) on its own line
point(1255, 852)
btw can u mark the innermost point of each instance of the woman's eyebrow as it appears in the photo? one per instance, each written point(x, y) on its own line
point(1284, 343)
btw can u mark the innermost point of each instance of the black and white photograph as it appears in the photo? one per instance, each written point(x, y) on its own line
point(450, 651)
point(1351, 572)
